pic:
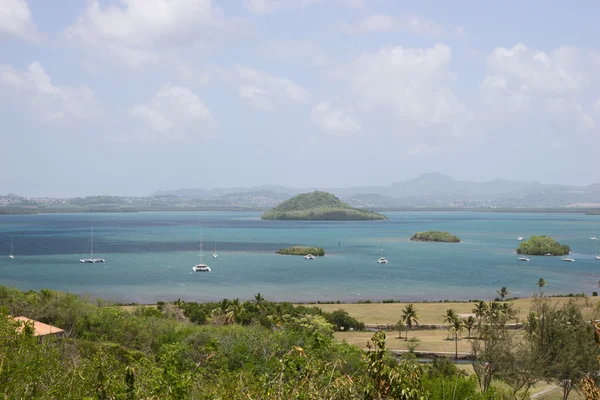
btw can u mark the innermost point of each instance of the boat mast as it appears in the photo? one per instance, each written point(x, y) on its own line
point(11, 245)
point(92, 243)
point(201, 246)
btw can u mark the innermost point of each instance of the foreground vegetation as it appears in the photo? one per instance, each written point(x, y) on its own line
point(543, 245)
point(318, 206)
point(435, 236)
point(262, 350)
point(302, 251)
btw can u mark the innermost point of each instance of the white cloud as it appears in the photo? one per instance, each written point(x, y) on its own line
point(415, 84)
point(175, 112)
point(262, 7)
point(54, 103)
point(544, 86)
point(140, 31)
point(409, 23)
point(597, 106)
point(300, 51)
point(265, 91)
point(334, 121)
point(15, 20)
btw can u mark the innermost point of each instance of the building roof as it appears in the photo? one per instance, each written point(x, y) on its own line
point(40, 329)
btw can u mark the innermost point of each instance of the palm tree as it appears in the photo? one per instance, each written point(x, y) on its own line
point(457, 326)
point(449, 318)
point(503, 292)
point(233, 311)
point(409, 317)
point(480, 312)
point(259, 301)
point(469, 324)
point(541, 283)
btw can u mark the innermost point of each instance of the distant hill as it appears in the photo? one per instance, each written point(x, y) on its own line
point(318, 206)
point(428, 190)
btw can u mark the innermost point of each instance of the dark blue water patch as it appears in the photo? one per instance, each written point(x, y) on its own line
point(59, 245)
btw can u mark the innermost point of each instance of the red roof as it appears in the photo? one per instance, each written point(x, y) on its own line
point(40, 329)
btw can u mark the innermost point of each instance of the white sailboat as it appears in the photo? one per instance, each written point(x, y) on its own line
point(382, 259)
point(201, 267)
point(11, 256)
point(520, 238)
point(215, 255)
point(523, 259)
point(92, 260)
point(309, 257)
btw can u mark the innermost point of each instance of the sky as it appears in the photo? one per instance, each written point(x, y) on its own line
point(132, 96)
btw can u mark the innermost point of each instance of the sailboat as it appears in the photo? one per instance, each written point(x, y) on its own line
point(92, 260)
point(382, 259)
point(597, 255)
point(215, 255)
point(201, 267)
point(11, 256)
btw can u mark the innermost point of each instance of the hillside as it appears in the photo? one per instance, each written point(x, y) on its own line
point(318, 206)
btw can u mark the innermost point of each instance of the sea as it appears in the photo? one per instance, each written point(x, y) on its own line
point(149, 256)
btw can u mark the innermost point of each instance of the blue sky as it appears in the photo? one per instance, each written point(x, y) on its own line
point(128, 97)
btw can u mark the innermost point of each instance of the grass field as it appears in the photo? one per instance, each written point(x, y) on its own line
point(431, 340)
point(429, 313)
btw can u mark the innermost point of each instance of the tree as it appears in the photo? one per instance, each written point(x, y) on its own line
point(457, 326)
point(469, 324)
point(565, 341)
point(480, 311)
point(400, 326)
point(503, 292)
point(540, 284)
point(233, 312)
point(409, 317)
point(259, 302)
point(449, 318)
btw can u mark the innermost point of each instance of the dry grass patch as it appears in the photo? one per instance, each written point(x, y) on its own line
point(431, 340)
point(429, 313)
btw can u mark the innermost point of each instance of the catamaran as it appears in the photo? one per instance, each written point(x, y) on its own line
point(11, 256)
point(201, 267)
point(309, 257)
point(382, 259)
point(92, 260)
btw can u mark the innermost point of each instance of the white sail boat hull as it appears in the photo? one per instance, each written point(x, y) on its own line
point(92, 260)
point(201, 267)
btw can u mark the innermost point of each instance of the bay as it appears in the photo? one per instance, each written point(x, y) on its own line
point(149, 256)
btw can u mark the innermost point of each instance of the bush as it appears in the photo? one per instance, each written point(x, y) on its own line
point(340, 319)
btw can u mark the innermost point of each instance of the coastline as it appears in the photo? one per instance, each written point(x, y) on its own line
point(551, 210)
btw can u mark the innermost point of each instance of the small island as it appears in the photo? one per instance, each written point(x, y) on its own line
point(435, 236)
point(542, 246)
point(302, 251)
point(319, 206)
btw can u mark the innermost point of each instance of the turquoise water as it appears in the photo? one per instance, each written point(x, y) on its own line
point(149, 256)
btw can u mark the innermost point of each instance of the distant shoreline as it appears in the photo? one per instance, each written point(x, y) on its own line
point(556, 210)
